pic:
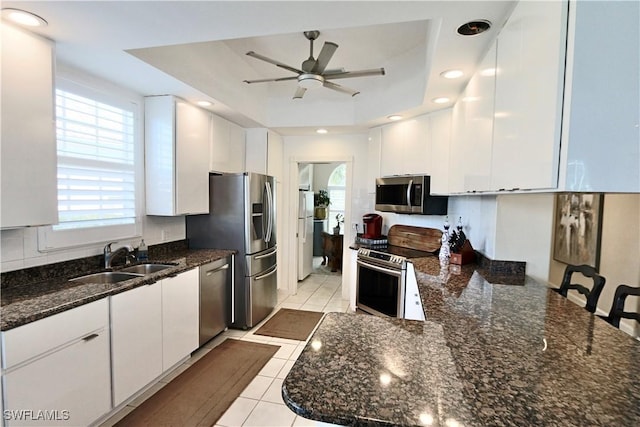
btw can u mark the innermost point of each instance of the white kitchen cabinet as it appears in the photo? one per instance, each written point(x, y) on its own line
point(528, 101)
point(227, 146)
point(136, 340)
point(264, 152)
point(28, 150)
point(440, 150)
point(180, 317)
point(176, 157)
point(600, 149)
point(413, 309)
point(373, 158)
point(405, 147)
point(59, 365)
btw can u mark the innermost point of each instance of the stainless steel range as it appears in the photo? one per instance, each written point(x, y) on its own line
point(381, 279)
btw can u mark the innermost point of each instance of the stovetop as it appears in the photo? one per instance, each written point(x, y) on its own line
point(397, 250)
point(389, 255)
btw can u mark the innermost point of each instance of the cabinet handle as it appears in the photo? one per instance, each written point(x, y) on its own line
point(90, 337)
point(224, 267)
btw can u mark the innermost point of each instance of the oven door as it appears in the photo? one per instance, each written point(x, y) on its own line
point(380, 289)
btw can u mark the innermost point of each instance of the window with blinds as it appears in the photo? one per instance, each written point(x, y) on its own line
point(96, 169)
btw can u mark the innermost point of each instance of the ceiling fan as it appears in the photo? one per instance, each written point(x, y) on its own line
point(313, 72)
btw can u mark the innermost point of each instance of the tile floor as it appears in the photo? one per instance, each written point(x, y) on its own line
point(260, 404)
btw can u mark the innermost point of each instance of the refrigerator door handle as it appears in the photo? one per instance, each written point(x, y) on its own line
point(264, 276)
point(269, 211)
point(267, 255)
point(233, 289)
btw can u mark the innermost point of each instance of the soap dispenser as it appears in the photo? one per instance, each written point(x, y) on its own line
point(143, 252)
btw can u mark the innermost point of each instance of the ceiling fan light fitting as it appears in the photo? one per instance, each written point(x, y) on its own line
point(310, 81)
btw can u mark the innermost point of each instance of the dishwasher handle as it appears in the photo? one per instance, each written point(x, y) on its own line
point(215, 270)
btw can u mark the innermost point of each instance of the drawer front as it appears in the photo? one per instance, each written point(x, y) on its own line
point(33, 339)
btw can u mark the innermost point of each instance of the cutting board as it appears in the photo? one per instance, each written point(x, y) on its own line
point(419, 238)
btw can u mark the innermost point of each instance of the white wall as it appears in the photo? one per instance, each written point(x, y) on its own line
point(349, 149)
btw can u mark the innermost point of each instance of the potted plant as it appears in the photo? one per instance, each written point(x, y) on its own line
point(322, 201)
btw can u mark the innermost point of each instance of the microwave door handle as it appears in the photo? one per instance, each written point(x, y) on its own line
point(409, 193)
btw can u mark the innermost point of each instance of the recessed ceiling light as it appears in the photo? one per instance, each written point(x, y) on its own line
point(22, 17)
point(488, 72)
point(442, 100)
point(204, 103)
point(394, 117)
point(321, 131)
point(473, 28)
point(452, 74)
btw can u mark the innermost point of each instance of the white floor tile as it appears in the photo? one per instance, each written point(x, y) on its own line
point(238, 412)
point(274, 392)
point(304, 422)
point(285, 369)
point(312, 307)
point(285, 351)
point(291, 305)
point(270, 414)
point(257, 387)
point(272, 368)
point(297, 352)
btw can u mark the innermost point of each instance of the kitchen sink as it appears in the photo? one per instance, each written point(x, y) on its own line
point(146, 268)
point(106, 277)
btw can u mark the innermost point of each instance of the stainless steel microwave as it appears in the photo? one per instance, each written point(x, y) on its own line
point(408, 194)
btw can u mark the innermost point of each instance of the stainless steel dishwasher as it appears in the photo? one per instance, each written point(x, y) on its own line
point(215, 294)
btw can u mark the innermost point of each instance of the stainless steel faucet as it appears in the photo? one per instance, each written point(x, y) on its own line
point(109, 255)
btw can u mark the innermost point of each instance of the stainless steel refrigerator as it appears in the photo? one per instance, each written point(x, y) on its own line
point(242, 217)
point(305, 234)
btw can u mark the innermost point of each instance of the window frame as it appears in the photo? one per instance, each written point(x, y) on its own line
point(50, 239)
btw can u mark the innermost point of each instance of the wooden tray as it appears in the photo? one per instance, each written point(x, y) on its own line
point(419, 238)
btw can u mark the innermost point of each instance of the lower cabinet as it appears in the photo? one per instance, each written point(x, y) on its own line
point(136, 339)
point(152, 328)
point(56, 370)
point(180, 317)
point(413, 309)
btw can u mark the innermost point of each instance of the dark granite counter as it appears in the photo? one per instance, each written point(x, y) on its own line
point(25, 300)
point(487, 354)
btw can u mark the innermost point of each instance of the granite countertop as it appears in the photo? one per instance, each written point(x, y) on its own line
point(487, 354)
point(36, 300)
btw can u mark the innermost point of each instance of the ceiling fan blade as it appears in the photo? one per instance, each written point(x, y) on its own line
point(279, 79)
point(359, 73)
point(328, 49)
point(337, 87)
point(299, 92)
point(274, 62)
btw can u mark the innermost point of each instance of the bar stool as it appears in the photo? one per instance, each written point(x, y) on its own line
point(592, 294)
point(617, 309)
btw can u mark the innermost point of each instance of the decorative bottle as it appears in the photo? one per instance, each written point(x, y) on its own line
point(143, 252)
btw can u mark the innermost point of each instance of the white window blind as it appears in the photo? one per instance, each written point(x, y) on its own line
point(96, 170)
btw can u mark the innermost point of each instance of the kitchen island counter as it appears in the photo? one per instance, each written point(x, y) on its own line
point(487, 354)
point(26, 302)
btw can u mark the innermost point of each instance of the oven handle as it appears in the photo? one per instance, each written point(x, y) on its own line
point(396, 273)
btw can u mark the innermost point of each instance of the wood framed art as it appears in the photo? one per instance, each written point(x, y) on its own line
point(578, 228)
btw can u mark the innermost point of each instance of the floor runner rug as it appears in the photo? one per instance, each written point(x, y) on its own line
point(201, 394)
point(291, 324)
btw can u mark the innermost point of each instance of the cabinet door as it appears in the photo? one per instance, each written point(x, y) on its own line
point(529, 81)
point(28, 149)
point(227, 146)
point(416, 156)
point(440, 125)
point(72, 384)
point(275, 153)
point(392, 147)
point(192, 159)
point(373, 158)
point(180, 321)
point(136, 339)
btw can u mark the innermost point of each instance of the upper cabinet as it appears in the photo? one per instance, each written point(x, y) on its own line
point(417, 146)
point(227, 146)
point(566, 109)
point(472, 130)
point(28, 149)
point(176, 157)
point(601, 117)
point(264, 152)
point(528, 97)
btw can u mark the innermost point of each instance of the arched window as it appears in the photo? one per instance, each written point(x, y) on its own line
point(336, 188)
